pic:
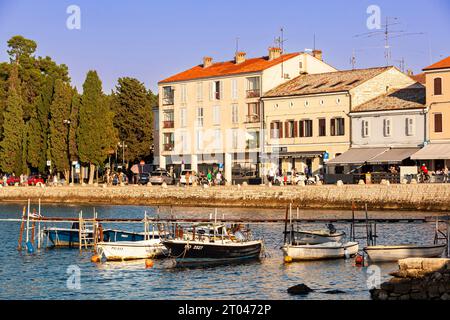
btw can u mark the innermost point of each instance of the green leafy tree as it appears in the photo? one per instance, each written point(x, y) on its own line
point(13, 127)
point(59, 128)
point(133, 115)
point(74, 110)
point(95, 125)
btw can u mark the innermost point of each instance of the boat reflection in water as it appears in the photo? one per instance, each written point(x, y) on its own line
point(212, 243)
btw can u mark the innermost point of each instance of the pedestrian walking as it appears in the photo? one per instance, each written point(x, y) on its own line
point(445, 171)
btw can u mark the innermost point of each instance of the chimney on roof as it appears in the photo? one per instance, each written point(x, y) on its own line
point(317, 54)
point(239, 57)
point(409, 72)
point(274, 53)
point(207, 62)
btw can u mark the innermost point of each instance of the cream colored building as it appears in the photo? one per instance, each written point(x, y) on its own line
point(437, 150)
point(307, 118)
point(210, 115)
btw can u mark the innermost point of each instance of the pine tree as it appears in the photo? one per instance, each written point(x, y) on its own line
point(95, 125)
point(13, 127)
point(59, 128)
point(133, 116)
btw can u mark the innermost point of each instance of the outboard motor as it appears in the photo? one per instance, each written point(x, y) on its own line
point(331, 228)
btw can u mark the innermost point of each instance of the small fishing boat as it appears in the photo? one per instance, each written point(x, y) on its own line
point(397, 252)
point(69, 237)
point(212, 244)
point(66, 237)
point(328, 250)
point(131, 250)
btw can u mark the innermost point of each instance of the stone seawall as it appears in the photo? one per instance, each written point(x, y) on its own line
point(424, 197)
point(417, 279)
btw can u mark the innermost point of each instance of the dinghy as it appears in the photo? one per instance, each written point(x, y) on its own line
point(131, 250)
point(329, 250)
point(397, 252)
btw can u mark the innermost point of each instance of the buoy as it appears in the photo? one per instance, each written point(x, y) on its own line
point(359, 260)
point(148, 263)
point(95, 258)
point(287, 259)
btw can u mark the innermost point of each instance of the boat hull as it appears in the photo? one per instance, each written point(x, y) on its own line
point(189, 253)
point(61, 237)
point(395, 253)
point(131, 250)
point(311, 237)
point(331, 250)
point(64, 237)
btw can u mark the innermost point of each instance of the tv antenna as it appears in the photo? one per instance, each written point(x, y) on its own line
point(237, 44)
point(279, 43)
point(388, 34)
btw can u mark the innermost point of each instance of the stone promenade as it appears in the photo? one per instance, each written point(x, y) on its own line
point(426, 197)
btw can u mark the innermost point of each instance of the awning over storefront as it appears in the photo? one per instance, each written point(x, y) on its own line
point(357, 156)
point(433, 151)
point(394, 155)
point(301, 155)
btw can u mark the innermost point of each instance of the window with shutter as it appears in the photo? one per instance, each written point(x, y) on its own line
point(322, 128)
point(333, 127)
point(387, 123)
point(280, 129)
point(410, 130)
point(438, 122)
point(295, 135)
point(437, 86)
point(199, 91)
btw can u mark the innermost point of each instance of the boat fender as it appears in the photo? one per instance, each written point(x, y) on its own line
point(346, 253)
point(148, 263)
point(287, 259)
point(95, 258)
point(359, 260)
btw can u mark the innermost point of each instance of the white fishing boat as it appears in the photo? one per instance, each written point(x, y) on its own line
point(329, 250)
point(130, 250)
point(397, 252)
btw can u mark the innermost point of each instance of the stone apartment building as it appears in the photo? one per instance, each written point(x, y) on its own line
point(387, 130)
point(308, 117)
point(436, 152)
point(210, 116)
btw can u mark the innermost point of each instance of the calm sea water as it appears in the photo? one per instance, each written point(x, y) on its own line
point(44, 275)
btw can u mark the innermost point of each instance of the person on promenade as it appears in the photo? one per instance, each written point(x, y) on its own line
point(209, 177)
point(425, 173)
point(187, 178)
point(445, 171)
point(218, 178)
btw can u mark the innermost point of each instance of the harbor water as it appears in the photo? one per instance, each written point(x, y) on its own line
point(70, 274)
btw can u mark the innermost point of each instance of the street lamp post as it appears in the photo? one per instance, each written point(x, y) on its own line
point(123, 146)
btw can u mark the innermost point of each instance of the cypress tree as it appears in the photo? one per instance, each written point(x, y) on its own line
point(13, 127)
point(59, 128)
point(95, 124)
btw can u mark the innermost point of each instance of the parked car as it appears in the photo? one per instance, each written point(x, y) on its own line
point(34, 180)
point(144, 178)
point(12, 180)
point(192, 176)
point(161, 176)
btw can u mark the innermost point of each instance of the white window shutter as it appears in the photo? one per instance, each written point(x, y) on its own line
point(211, 90)
point(221, 90)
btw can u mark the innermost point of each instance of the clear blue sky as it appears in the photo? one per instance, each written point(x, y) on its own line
point(151, 40)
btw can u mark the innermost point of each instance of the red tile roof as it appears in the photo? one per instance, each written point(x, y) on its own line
point(420, 78)
point(443, 64)
point(229, 68)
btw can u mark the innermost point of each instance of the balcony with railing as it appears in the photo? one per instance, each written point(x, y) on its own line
point(168, 101)
point(169, 146)
point(253, 93)
point(168, 124)
point(252, 118)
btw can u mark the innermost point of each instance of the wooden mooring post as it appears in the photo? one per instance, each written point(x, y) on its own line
point(22, 227)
